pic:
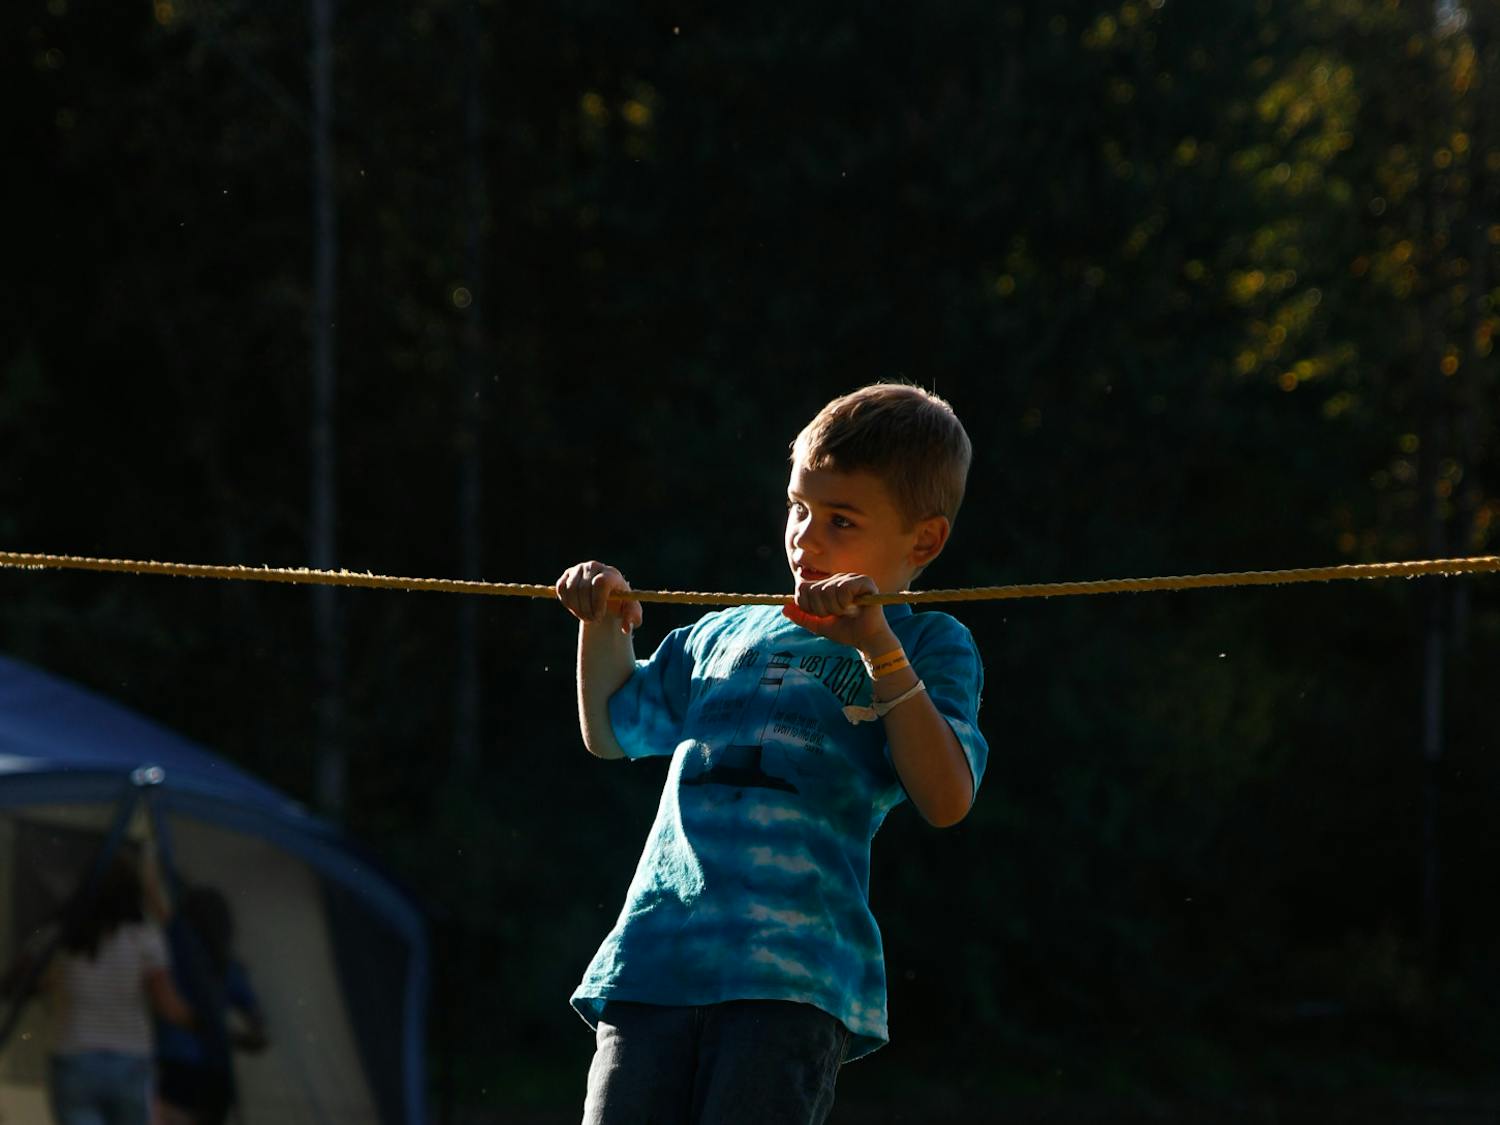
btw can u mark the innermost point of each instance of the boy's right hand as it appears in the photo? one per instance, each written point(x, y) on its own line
point(585, 590)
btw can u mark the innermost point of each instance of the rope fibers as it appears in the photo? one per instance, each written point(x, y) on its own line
point(1480, 564)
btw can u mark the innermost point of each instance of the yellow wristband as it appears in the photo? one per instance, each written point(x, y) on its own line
point(881, 666)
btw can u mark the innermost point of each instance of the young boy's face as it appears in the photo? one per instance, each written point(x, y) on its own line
point(846, 523)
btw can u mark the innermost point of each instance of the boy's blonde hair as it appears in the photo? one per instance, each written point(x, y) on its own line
point(905, 435)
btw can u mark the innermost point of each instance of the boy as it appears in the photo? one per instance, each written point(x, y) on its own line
point(746, 965)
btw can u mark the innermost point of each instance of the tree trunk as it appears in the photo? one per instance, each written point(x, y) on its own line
point(466, 719)
point(329, 752)
point(1473, 397)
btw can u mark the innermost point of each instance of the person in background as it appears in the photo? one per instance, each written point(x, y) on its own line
point(109, 977)
point(195, 1067)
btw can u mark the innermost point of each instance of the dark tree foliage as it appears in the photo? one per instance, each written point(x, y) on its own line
point(1212, 285)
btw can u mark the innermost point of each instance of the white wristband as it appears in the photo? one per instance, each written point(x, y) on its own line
point(877, 709)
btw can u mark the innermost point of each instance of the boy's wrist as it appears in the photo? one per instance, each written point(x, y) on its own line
point(879, 644)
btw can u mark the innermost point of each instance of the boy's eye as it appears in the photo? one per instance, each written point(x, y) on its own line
point(796, 506)
point(841, 521)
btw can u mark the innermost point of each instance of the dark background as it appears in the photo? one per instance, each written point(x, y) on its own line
point(1211, 284)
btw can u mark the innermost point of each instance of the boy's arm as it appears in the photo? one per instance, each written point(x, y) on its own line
point(606, 650)
point(926, 753)
point(924, 750)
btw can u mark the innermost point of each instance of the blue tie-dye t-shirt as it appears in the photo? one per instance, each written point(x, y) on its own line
point(754, 881)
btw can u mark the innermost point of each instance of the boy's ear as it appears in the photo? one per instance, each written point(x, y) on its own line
point(932, 537)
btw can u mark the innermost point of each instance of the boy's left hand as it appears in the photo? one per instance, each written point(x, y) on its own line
point(827, 608)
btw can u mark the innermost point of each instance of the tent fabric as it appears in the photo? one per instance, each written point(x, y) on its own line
point(336, 951)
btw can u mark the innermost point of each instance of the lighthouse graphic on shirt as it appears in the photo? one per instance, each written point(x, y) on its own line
point(741, 764)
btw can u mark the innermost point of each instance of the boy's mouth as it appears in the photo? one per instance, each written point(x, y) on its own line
point(811, 574)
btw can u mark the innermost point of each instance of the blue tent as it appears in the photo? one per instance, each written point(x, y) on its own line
point(337, 954)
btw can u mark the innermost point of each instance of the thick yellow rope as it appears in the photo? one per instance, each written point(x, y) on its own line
point(1449, 567)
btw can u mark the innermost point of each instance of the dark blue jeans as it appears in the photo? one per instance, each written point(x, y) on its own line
point(756, 1062)
point(100, 1088)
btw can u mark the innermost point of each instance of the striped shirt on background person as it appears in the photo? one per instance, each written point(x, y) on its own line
point(102, 1002)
